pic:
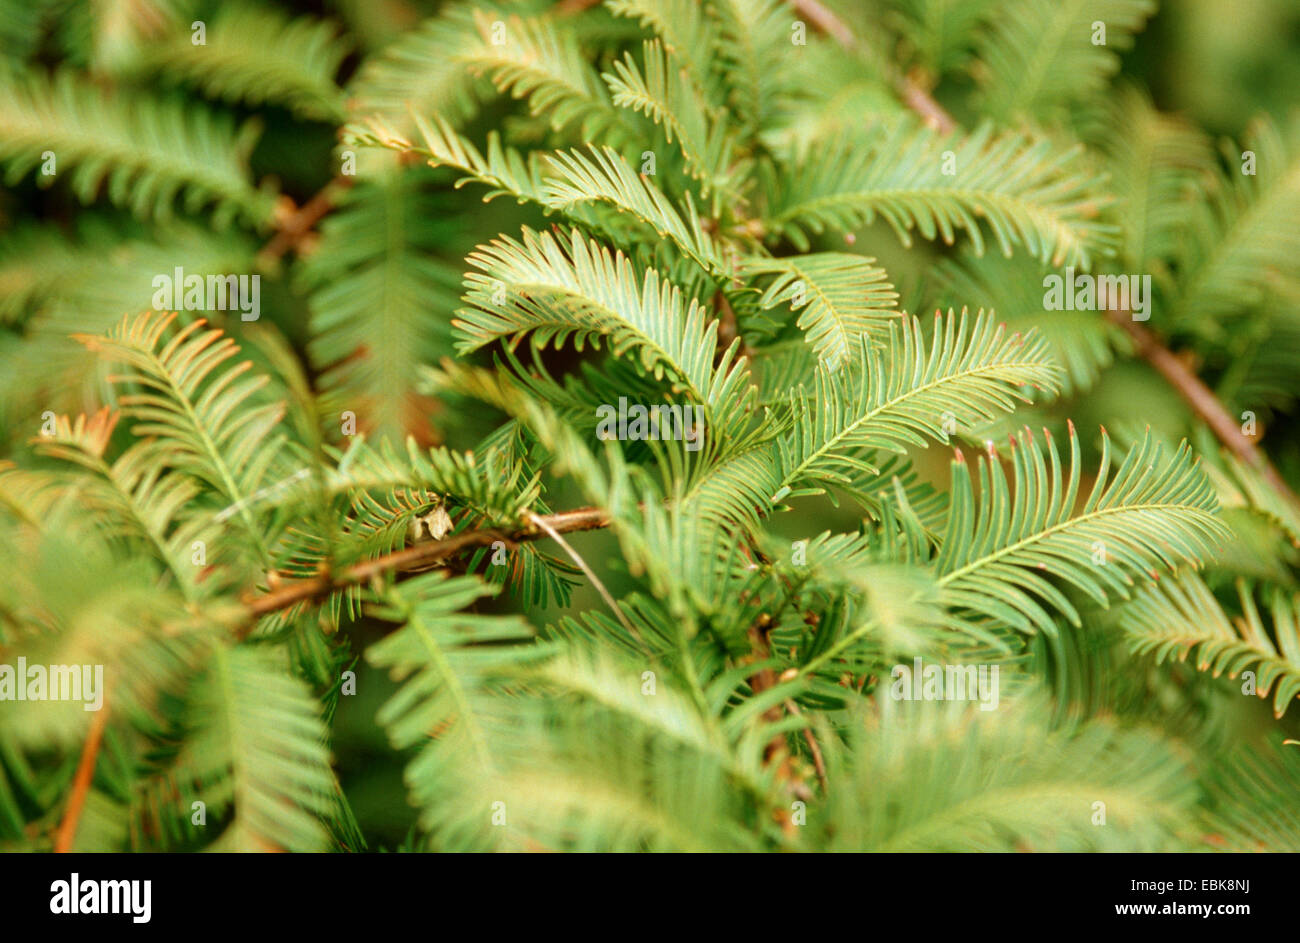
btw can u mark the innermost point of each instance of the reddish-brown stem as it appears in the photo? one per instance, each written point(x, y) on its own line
point(1202, 401)
point(914, 96)
point(418, 555)
point(819, 763)
point(570, 7)
point(293, 228)
point(777, 752)
point(919, 100)
point(81, 780)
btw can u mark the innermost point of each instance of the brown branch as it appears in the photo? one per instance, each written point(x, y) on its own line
point(777, 752)
point(416, 556)
point(826, 21)
point(913, 95)
point(819, 763)
point(81, 781)
point(570, 7)
point(293, 224)
point(762, 680)
point(728, 326)
point(1202, 401)
point(919, 100)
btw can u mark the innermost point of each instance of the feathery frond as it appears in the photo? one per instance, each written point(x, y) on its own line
point(255, 55)
point(211, 423)
point(1181, 618)
point(840, 298)
point(1019, 787)
point(381, 299)
point(1027, 192)
point(1246, 237)
point(1039, 55)
point(602, 176)
point(629, 481)
point(1000, 549)
point(1083, 343)
point(421, 73)
point(545, 65)
point(144, 153)
point(575, 289)
point(655, 89)
point(895, 397)
point(259, 752)
point(446, 660)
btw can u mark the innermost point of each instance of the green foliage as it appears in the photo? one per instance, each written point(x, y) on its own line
point(379, 253)
point(997, 553)
point(209, 424)
point(1179, 617)
point(896, 396)
point(1028, 195)
point(256, 55)
point(1040, 780)
point(1246, 231)
point(840, 298)
point(142, 152)
point(258, 750)
point(1039, 55)
point(446, 707)
point(339, 555)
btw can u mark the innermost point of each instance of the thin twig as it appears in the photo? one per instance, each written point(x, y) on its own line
point(913, 95)
point(570, 7)
point(82, 780)
point(777, 751)
point(1202, 401)
point(919, 100)
point(421, 554)
point(826, 21)
point(298, 222)
point(595, 580)
point(818, 762)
